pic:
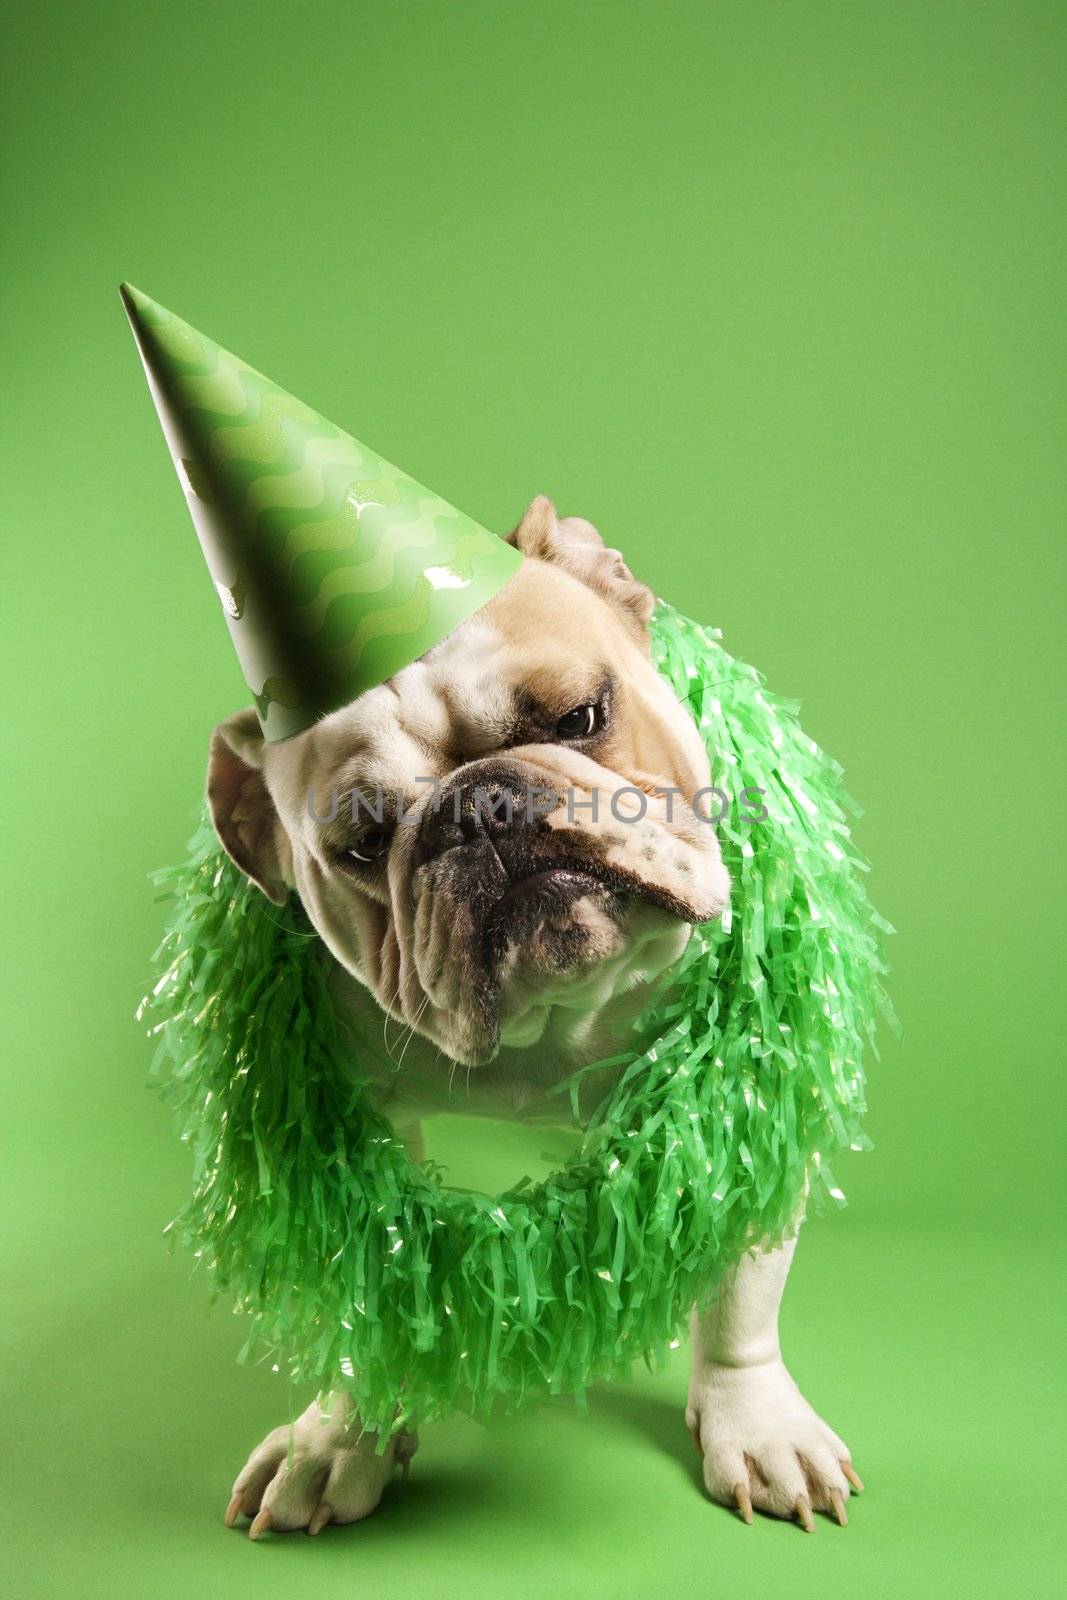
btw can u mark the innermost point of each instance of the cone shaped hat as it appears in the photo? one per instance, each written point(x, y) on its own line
point(334, 568)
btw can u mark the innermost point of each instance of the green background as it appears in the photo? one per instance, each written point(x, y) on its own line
point(773, 293)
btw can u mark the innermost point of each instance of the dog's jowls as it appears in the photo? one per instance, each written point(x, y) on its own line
point(527, 852)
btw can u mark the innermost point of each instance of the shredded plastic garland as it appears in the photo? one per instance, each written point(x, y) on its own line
point(362, 1269)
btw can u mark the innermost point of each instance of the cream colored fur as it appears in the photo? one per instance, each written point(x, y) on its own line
point(565, 982)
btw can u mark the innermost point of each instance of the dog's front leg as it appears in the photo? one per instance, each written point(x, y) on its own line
point(761, 1442)
point(324, 1467)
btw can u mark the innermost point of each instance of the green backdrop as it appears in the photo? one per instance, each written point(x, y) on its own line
point(772, 292)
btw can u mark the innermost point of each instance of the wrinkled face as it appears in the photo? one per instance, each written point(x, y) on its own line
point(502, 838)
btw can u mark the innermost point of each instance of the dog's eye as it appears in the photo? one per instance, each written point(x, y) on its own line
point(371, 846)
point(579, 723)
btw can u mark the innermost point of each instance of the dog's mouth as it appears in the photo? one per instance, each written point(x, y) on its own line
point(549, 889)
point(551, 886)
point(542, 908)
point(545, 920)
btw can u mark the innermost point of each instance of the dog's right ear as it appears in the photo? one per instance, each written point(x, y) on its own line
point(575, 545)
point(241, 807)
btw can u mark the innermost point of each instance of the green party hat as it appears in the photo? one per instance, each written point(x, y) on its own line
point(334, 568)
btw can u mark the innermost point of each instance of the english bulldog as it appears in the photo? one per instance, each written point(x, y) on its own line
point(503, 847)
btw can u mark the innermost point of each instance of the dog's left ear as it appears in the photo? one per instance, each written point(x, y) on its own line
point(241, 806)
point(576, 546)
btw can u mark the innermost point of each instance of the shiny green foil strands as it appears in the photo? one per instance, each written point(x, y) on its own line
point(360, 1269)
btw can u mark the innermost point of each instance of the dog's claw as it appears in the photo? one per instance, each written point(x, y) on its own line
point(233, 1510)
point(261, 1523)
point(744, 1502)
point(320, 1517)
point(838, 1503)
point(853, 1476)
point(803, 1514)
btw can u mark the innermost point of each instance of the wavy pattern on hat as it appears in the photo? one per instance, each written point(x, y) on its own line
point(286, 505)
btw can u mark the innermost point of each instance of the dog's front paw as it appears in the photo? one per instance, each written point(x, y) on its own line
point(323, 1468)
point(764, 1447)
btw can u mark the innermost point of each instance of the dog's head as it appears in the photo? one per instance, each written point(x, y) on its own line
point(504, 836)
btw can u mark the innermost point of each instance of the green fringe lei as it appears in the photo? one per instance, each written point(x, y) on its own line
point(361, 1269)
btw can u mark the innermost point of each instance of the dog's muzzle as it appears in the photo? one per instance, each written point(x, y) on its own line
point(486, 842)
point(486, 836)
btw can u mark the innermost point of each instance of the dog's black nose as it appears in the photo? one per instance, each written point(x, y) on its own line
point(484, 803)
